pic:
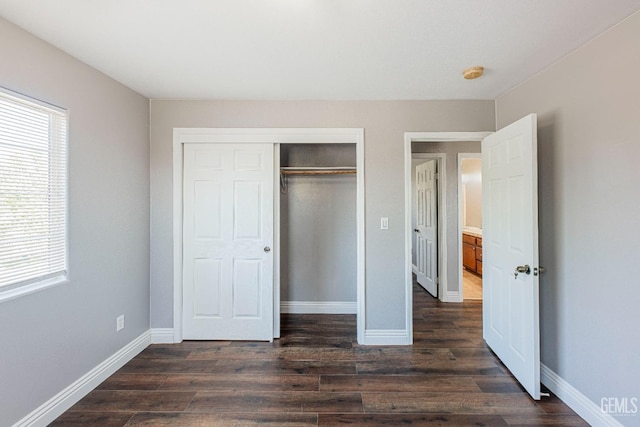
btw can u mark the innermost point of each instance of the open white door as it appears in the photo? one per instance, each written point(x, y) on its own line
point(227, 234)
point(510, 245)
point(427, 227)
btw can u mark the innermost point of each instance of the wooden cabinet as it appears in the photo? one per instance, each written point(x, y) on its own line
point(472, 253)
point(469, 252)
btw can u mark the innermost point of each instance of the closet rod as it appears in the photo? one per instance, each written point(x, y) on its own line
point(317, 170)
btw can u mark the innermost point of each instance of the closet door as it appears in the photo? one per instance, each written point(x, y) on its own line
point(227, 239)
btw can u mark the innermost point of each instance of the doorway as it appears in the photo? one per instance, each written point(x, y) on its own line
point(470, 220)
point(446, 146)
point(510, 310)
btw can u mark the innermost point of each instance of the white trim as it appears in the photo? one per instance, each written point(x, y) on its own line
point(65, 399)
point(276, 242)
point(57, 271)
point(446, 136)
point(387, 337)
point(581, 404)
point(275, 136)
point(35, 102)
point(319, 307)
point(410, 137)
point(31, 288)
point(266, 135)
point(178, 158)
point(451, 296)
point(462, 156)
point(162, 336)
point(361, 311)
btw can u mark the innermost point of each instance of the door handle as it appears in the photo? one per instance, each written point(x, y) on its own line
point(416, 230)
point(267, 249)
point(522, 269)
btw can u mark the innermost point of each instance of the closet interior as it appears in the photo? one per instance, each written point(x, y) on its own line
point(318, 228)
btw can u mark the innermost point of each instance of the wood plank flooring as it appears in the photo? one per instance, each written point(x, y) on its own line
point(317, 375)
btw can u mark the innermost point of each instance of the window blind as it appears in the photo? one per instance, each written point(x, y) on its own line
point(33, 190)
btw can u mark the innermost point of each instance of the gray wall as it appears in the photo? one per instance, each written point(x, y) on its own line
point(451, 149)
point(51, 338)
point(588, 107)
point(318, 226)
point(384, 122)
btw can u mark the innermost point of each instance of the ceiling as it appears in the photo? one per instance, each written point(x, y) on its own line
point(317, 49)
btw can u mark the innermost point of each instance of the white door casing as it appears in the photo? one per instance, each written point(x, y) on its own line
point(448, 292)
point(183, 136)
point(227, 239)
point(510, 239)
point(427, 227)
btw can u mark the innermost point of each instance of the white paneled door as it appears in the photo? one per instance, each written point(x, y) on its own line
point(227, 239)
point(510, 250)
point(427, 227)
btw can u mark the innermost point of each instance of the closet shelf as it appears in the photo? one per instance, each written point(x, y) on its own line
point(292, 170)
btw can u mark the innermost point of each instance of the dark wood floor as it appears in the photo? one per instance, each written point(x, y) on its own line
point(317, 375)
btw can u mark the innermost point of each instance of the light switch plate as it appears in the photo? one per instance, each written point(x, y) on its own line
point(384, 223)
point(120, 323)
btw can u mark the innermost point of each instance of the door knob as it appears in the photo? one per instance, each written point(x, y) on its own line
point(267, 249)
point(416, 230)
point(522, 269)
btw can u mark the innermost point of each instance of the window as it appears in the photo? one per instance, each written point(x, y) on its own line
point(33, 192)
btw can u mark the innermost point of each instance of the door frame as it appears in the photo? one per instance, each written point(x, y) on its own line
point(410, 137)
point(462, 156)
point(275, 136)
point(441, 166)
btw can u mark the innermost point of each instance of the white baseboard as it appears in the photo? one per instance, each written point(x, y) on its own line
point(312, 307)
point(162, 336)
point(451, 296)
point(58, 404)
point(386, 337)
point(581, 404)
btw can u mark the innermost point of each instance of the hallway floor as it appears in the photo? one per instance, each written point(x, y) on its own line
point(471, 286)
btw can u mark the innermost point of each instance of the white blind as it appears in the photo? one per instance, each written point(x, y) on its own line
point(33, 190)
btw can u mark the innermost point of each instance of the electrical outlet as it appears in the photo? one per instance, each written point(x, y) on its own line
point(120, 323)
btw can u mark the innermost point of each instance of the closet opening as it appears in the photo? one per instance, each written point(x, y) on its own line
point(318, 241)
